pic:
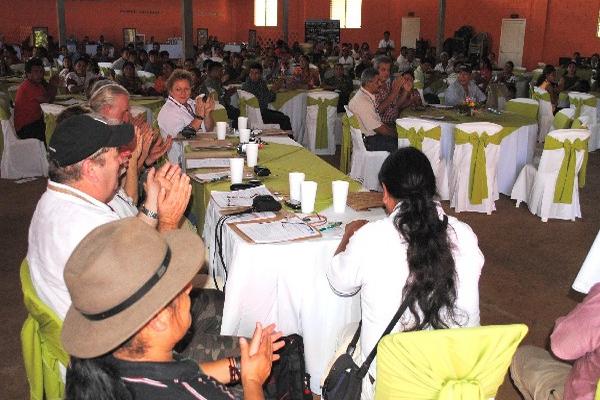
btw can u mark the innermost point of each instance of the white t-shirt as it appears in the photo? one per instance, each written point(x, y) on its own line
point(375, 264)
point(123, 205)
point(60, 221)
point(172, 118)
point(389, 43)
point(347, 62)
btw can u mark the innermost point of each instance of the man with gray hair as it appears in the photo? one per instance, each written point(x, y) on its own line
point(376, 135)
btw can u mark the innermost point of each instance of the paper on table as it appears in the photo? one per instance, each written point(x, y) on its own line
point(211, 176)
point(238, 198)
point(208, 163)
point(277, 231)
point(252, 216)
point(69, 102)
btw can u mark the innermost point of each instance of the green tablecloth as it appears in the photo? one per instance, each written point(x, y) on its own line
point(281, 160)
point(154, 103)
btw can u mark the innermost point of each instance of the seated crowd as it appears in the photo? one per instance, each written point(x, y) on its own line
point(121, 271)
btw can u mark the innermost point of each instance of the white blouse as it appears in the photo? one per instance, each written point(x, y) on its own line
point(172, 118)
point(375, 264)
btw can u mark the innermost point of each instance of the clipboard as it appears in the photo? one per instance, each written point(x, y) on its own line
point(315, 234)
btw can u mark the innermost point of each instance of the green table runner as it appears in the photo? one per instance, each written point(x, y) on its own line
point(509, 121)
point(281, 160)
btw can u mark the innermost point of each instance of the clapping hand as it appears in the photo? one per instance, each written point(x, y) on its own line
point(258, 355)
point(173, 202)
point(158, 149)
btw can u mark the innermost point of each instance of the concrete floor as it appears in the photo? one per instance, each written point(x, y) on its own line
point(529, 268)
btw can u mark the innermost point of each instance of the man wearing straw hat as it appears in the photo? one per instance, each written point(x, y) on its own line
point(130, 288)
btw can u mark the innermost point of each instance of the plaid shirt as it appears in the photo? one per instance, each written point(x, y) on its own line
point(390, 114)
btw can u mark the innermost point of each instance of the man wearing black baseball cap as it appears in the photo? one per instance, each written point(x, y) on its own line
point(86, 155)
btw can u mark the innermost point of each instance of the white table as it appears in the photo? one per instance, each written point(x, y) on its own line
point(295, 108)
point(589, 274)
point(285, 284)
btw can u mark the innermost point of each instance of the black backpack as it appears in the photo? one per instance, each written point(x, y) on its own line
point(289, 380)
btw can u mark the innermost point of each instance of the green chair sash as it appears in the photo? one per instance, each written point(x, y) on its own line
point(561, 121)
point(416, 137)
point(540, 96)
point(578, 124)
point(419, 84)
point(446, 364)
point(321, 134)
point(525, 109)
point(347, 141)
point(578, 102)
point(245, 102)
point(50, 121)
point(563, 193)
point(219, 115)
point(4, 107)
point(41, 344)
point(478, 187)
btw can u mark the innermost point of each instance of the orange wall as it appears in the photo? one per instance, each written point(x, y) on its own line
point(553, 29)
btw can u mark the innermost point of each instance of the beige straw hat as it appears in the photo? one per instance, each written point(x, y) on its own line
point(120, 276)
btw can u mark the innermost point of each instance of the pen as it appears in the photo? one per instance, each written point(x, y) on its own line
point(330, 226)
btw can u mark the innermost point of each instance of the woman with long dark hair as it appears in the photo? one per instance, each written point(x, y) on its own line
point(417, 254)
point(548, 82)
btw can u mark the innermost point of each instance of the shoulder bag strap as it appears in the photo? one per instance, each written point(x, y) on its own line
point(364, 368)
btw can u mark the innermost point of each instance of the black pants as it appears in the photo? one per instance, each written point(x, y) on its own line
point(379, 142)
point(276, 117)
point(35, 130)
point(232, 114)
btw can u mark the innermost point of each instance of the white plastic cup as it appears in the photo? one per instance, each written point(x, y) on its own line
point(221, 130)
point(242, 123)
point(236, 170)
point(244, 135)
point(340, 195)
point(252, 154)
point(296, 178)
point(308, 194)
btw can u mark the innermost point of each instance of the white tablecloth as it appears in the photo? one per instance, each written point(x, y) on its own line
point(516, 150)
point(175, 50)
point(295, 108)
point(589, 274)
point(285, 284)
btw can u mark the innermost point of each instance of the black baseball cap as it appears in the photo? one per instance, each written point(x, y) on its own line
point(80, 136)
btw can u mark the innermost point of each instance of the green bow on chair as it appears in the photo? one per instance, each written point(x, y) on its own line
point(415, 137)
point(562, 121)
point(578, 102)
point(526, 109)
point(321, 135)
point(461, 389)
point(540, 96)
point(244, 103)
point(563, 193)
point(347, 141)
point(478, 188)
point(219, 115)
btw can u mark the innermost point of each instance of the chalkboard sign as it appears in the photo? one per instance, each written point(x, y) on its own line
point(322, 30)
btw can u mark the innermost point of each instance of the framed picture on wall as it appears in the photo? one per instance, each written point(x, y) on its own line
point(201, 36)
point(39, 36)
point(252, 38)
point(128, 36)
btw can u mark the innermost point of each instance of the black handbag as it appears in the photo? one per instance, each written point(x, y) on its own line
point(344, 381)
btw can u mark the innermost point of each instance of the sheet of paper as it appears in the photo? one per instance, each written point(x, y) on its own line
point(277, 231)
point(207, 163)
point(239, 198)
point(211, 176)
point(252, 216)
point(69, 102)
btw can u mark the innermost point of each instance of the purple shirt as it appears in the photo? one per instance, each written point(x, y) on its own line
point(576, 336)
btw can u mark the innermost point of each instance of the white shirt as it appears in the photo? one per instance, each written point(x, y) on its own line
point(374, 262)
point(448, 70)
point(172, 118)
point(347, 62)
point(79, 80)
point(389, 43)
point(60, 221)
point(362, 104)
point(123, 205)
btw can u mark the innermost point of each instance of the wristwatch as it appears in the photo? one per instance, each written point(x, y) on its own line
point(148, 213)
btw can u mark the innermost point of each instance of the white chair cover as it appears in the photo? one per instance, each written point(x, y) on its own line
point(591, 114)
point(21, 158)
point(545, 115)
point(312, 111)
point(18, 68)
point(461, 170)
point(147, 78)
point(432, 149)
point(255, 120)
point(365, 165)
point(536, 187)
point(561, 116)
point(105, 68)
